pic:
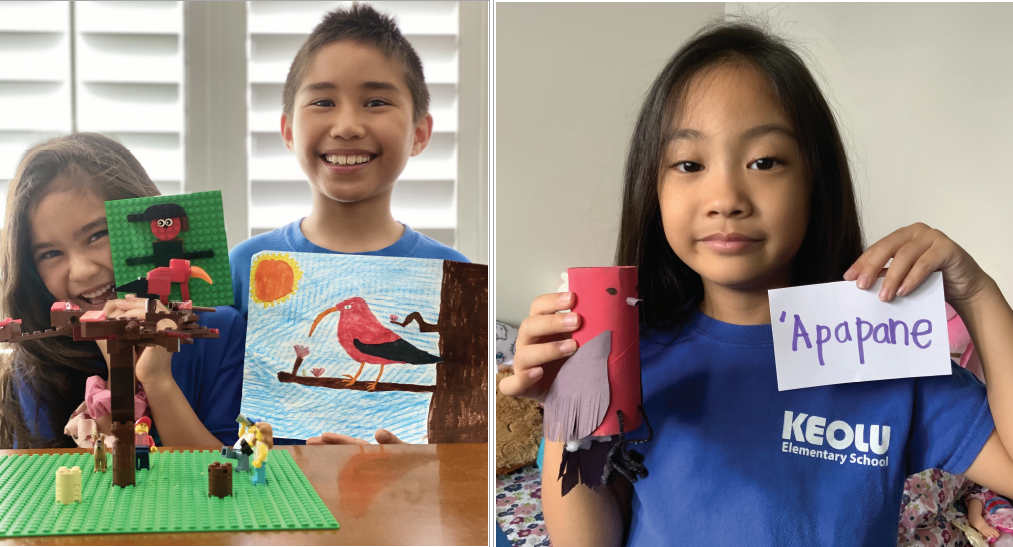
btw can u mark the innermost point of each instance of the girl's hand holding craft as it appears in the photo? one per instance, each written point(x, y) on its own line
point(918, 250)
point(543, 343)
point(154, 367)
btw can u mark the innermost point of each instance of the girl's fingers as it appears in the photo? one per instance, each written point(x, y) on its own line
point(536, 355)
point(875, 257)
point(537, 326)
point(520, 383)
point(873, 251)
point(926, 264)
point(551, 303)
point(903, 260)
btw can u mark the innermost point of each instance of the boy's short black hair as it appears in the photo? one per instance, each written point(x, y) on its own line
point(360, 23)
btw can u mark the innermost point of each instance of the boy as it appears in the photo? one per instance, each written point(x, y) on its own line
point(355, 109)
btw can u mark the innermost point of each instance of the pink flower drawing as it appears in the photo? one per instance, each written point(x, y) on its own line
point(317, 371)
point(301, 351)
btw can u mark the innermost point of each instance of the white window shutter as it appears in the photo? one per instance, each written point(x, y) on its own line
point(35, 80)
point(107, 67)
point(129, 81)
point(425, 197)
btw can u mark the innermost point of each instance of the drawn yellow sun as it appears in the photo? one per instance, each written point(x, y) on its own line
point(274, 277)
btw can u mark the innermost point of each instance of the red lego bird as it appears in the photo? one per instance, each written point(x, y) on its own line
point(366, 340)
point(159, 281)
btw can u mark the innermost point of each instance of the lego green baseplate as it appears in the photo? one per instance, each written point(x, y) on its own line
point(170, 497)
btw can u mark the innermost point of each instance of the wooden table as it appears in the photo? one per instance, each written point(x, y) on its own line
point(379, 494)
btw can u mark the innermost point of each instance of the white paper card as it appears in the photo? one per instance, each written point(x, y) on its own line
point(834, 333)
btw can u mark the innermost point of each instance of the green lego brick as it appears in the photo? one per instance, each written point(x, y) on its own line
point(170, 497)
point(207, 232)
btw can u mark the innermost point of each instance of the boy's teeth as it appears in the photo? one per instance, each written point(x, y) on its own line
point(346, 160)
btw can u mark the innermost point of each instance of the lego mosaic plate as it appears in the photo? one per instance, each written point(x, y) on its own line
point(172, 496)
point(194, 229)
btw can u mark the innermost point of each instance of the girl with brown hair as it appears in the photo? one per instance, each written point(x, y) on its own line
point(736, 183)
point(55, 246)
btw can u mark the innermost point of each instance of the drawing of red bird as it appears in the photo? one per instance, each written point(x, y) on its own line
point(595, 400)
point(366, 340)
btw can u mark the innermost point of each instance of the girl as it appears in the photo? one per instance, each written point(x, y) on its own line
point(737, 183)
point(56, 247)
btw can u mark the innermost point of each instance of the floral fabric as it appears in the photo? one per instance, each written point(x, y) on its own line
point(933, 513)
point(519, 507)
point(932, 510)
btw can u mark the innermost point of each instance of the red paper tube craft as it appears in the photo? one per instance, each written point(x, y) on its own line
point(595, 400)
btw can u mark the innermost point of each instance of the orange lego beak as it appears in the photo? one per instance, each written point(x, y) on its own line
point(200, 274)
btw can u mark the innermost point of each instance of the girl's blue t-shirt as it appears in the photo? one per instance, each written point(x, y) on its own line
point(734, 461)
point(209, 372)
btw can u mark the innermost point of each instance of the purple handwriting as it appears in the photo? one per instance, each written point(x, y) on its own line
point(883, 333)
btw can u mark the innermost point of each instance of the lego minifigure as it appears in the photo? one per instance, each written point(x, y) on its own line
point(243, 448)
point(99, 452)
point(264, 441)
point(68, 484)
point(143, 442)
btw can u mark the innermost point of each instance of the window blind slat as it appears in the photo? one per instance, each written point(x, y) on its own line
point(129, 72)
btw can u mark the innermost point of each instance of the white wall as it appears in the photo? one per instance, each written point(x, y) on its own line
point(569, 81)
point(923, 93)
point(924, 97)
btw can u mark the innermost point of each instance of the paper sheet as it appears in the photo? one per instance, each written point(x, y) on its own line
point(834, 333)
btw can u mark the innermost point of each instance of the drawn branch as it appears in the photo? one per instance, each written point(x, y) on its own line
point(340, 383)
point(417, 317)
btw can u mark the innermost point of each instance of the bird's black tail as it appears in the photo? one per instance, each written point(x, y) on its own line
point(138, 286)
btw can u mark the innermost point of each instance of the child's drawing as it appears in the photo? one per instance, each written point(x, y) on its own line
point(313, 366)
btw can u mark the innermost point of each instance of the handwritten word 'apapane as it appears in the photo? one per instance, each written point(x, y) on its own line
point(892, 332)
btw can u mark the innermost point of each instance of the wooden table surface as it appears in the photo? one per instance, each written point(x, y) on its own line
point(379, 494)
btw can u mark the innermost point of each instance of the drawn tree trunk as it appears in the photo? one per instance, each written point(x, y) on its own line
point(458, 411)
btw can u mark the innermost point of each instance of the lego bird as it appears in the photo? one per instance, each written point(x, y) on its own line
point(366, 340)
point(596, 398)
point(159, 281)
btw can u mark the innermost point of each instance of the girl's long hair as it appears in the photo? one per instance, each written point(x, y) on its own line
point(54, 370)
point(833, 239)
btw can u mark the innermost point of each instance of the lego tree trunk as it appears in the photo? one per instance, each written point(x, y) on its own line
point(123, 460)
point(121, 388)
point(458, 412)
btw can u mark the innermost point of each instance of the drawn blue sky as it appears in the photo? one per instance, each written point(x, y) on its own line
point(389, 286)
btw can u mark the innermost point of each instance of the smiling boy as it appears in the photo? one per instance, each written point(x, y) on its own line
point(355, 109)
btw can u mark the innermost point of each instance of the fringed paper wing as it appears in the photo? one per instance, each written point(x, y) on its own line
point(579, 396)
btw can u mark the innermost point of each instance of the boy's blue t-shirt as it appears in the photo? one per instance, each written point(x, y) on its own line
point(209, 373)
point(289, 238)
point(734, 461)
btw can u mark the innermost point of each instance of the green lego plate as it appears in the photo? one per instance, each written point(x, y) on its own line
point(206, 232)
point(170, 497)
